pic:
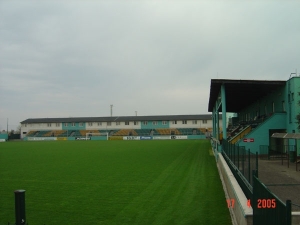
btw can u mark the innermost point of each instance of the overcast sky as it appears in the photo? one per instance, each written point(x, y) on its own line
point(76, 58)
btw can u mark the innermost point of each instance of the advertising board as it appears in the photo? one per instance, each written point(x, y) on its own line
point(131, 138)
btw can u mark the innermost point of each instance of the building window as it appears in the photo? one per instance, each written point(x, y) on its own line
point(145, 123)
point(127, 123)
point(184, 122)
point(25, 125)
point(108, 123)
point(99, 124)
point(136, 123)
point(164, 122)
point(48, 124)
point(65, 124)
point(73, 125)
point(80, 124)
point(204, 121)
point(117, 123)
point(194, 121)
point(90, 124)
point(57, 124)
point(154, 122)
point(174, 122)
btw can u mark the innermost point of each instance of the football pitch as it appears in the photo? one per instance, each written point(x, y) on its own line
point(113, 182)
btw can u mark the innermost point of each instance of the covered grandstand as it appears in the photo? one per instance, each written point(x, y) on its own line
point(197, 126)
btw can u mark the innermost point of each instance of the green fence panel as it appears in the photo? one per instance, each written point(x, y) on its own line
point(267, 207)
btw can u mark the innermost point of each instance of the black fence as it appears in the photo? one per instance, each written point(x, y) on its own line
point(241, 162)
point(267, 207)
point(244, 160)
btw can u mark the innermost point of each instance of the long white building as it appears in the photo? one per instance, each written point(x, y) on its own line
point(133, 125)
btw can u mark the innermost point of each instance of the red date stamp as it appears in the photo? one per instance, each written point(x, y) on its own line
point(266, 203)
point(230, 202)
point(261, 203)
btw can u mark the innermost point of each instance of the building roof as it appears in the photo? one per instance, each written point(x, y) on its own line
point(241, 93)
point(118, 118)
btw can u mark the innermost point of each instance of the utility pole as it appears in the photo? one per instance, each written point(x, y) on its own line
point(111, 110)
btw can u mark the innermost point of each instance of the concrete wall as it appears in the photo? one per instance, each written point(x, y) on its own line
point(241, 213)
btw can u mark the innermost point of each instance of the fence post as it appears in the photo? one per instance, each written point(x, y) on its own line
point(20, 207)
point(256, 164)
point(243, 159)
point(249, 169)
point(234, 146)
point(288, 212)
point(238, 159)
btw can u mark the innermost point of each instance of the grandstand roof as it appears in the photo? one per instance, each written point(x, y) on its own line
point(118, 118)
point(241, 93)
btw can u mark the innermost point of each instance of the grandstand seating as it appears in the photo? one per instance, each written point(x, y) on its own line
point(56, 133)
point(125, 132)
point(32, 133)
point(42, 133)
point(166, 131)
point(84, 132)
point(143, 132)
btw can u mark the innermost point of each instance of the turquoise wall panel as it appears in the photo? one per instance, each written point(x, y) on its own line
point(73, 126)
point(261, 132)
point(98, 138)
point(4, 136)
point(196, 137)
point(159, 124)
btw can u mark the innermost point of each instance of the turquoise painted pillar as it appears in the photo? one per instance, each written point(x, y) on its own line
point(214, 122)
point(223, 98)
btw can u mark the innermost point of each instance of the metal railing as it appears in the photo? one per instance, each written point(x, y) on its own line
point(244, 160)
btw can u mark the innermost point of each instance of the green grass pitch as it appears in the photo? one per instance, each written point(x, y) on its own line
point(112, 182)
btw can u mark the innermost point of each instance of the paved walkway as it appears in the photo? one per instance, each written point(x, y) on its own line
point(273, 172)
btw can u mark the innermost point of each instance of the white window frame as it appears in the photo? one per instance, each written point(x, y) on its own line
point(127, 123)
point(194, 121)
point(73, 124)
point(118, 123)
point(204, 121)
point(136, 123)
point(184, 122)
point(65, 124)
point(164, 122)
point(99, 123)
point(108, 123)
point(145, 122)
point(154, 123)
